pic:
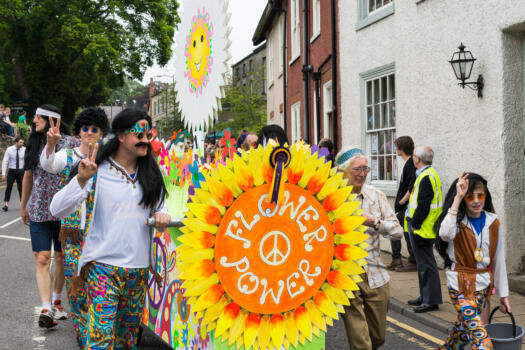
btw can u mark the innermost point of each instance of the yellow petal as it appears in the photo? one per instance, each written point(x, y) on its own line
point(206, 197)
point(347, 224)
point(277, 329)
point(310, 166)
point(292, 333)
point(214, 311)
point(295, 169)
point(195, 255)
point(318, 179)
point(200, 286)
point(198, 225)
point(264, 332)
point(243, 173)
point(325, 304)
point(335, 294)
point(251, 328)
point(237, 327)
point(303, 322)
point(348, 267)
point(339, 280)
point(330, 186)
point(220, 191)
point(207, 213)
point(228, 179)
point(335, 199)
point(352, 238)
point(202, 269)
point(315, 315)
point(228, 315)
point(211, 296)
point(347, 252)
point(198, 239)
point(346, 209)
point(254, 163)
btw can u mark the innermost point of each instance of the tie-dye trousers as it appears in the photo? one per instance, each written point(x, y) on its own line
point(469, 328)
point(77, 301)
point(115, 301)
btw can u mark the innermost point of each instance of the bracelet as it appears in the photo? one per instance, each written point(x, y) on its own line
point(452, 212)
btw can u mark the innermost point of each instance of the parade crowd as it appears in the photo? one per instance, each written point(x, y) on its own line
point(90, 201)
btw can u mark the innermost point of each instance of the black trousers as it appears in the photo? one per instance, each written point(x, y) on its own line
point(396, 244)
point(427, 271)
point(12, 176)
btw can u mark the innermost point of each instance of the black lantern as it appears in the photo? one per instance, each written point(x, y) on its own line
point(462, 62)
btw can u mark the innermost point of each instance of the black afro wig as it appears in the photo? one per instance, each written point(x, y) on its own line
point(91, 116)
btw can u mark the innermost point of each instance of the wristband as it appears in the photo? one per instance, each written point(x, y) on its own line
point(452, 212)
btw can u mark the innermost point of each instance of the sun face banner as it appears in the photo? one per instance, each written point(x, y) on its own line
point(202, 43)
point(267, 275)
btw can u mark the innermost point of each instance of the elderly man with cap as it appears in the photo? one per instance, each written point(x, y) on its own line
point(365, 319)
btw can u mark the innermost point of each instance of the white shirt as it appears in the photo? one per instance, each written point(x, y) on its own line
point(56, 162)
point(448, 231)
point(118, 235)
point(10, 158)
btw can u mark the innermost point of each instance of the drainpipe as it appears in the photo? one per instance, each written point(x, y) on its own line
point(307, 68)
point(334, 79)
point(316, 76)
point(282, 8)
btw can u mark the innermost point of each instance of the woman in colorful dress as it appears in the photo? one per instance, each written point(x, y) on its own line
point(475, 243)
point(90, 126)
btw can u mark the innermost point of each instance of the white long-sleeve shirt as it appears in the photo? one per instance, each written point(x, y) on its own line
point(56, 162)
point(448, 231)
point(118, 235)
point(9, 160)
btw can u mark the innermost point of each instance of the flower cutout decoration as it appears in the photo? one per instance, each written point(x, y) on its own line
point(240, 273)
point(228, 144)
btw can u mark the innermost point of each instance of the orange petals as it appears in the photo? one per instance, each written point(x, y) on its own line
point(325, 305)
point(335, 199)
point(209, 298)
point(226, 319)
point(243, 174)
point(318, 180)
point(251, 326)
point(345, 252)
point(199, 239)
point(347, 224)
point(220, 192)
point(303, 322)
point(277, 329)
point(292, 333)
point(339, 280)
point(207, 213)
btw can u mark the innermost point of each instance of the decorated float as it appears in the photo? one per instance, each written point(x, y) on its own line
point(270, 245)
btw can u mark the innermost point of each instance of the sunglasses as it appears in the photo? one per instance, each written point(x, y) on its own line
point(140, 135)
point(470, 197)
point(94, 129)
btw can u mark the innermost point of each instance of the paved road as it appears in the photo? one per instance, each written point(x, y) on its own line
point(19, 303)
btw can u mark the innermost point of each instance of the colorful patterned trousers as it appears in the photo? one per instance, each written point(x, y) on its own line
point(469, 328)
point(116, 299)
point(77, 301)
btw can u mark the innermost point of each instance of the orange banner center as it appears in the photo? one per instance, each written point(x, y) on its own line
point(272, 259)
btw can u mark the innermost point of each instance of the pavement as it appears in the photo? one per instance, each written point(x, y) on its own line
point(404, 286)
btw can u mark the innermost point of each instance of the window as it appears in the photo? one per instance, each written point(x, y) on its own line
point(280, 32)
point(243, 69)
point(328, 121)
point(296, 31)
point(371, 11)
point(316, 18)
point(155, 108)
point(264, 74)
point(250, 65)
point(379, 102)
point(296, 122)
point(237, 73)
point(270, 62)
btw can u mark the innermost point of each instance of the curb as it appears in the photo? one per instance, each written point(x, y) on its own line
point(424, 318)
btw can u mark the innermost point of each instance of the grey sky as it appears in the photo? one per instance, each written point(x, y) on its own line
point(245, 15)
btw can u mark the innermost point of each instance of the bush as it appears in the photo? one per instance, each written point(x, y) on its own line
point(23, 130)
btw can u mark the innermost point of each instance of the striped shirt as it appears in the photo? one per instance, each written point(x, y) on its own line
point(375, 204)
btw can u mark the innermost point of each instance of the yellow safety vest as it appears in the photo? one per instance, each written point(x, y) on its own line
point(427, 228)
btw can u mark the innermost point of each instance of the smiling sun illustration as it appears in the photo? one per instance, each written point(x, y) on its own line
point(201, 60)
point(198, 52)
point(267, 275)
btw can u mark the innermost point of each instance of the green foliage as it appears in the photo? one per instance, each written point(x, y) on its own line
point(73, 53)
point(173, 121)
point(23, 130)
point(246, 105)
point(125, 92)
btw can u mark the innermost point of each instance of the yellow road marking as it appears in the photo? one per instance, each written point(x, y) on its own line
point(414, 331)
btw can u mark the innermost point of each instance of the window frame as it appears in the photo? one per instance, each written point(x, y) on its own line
point(389, 187)
point(296, 121)
point(269, 62)
point(295, 31)
point(364, 18)
point(316, 19)
point(327, 108)
point(280, 32)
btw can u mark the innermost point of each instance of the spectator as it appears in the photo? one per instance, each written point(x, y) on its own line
point(404, 149)
point(13, 165)
point(250, 141)
point(365, 318)
point(424, 209)
point(272, 131)
point(329, 145)
point(6, 126)
point(22, 117)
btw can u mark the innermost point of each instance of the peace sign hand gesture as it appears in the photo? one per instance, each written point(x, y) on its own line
point(87, 166)
point(462, 185)
point(53, 134)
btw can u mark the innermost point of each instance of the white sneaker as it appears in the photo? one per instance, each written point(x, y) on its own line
point(46, 319)
point(59, 312)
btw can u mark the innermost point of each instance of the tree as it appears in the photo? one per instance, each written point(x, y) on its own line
point(246, 104)
point(126, 93)
point(74, 52)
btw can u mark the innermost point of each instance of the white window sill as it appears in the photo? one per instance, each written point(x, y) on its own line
point(292, 61)
point(389, 188)
point(315, 36)
point(418, 1)
point(375, 16)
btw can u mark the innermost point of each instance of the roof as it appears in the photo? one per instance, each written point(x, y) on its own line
point(254, 52)
point(265, 22)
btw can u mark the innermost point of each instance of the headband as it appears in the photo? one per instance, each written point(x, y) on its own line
point(46, 113)
point(349, 154)
point(140, 126)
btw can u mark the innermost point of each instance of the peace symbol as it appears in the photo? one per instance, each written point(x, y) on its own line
point(275, 256)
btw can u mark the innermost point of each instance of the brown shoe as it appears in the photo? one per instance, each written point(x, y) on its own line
point(395, 264)
point(407, 268)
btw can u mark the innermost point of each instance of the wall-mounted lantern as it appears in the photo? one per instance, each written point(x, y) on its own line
point(462, 62)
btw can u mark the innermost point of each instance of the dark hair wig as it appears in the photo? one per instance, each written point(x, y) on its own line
point(37, 139)
point(148, 175)
point(272, 131)
point(91, 116)
point(475, 181)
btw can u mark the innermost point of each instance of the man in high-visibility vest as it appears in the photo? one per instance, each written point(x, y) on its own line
point(424, 207)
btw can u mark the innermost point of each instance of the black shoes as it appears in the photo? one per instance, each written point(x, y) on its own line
point(5, 208)
point(425, 308)
point(415, 302)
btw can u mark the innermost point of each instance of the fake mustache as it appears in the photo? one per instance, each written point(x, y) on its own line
point(140, 144)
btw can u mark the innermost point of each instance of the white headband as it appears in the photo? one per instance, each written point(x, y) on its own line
point(45, 112)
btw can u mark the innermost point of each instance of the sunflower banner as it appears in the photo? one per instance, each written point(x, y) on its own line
point(272, 249)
